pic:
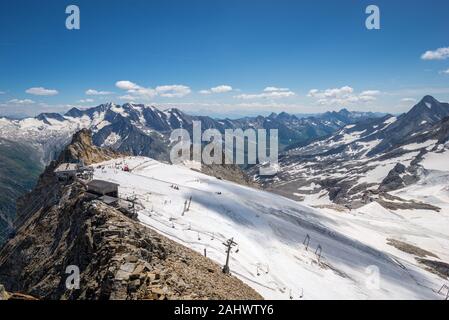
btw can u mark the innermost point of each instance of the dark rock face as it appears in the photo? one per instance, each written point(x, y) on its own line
point(393, 181)
point(19, 170)
point(229, 172)
point(438, 267)
point(334, 192)
point(45, 116)
point(82, 148)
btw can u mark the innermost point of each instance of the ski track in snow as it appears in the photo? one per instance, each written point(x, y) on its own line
point(270, 231)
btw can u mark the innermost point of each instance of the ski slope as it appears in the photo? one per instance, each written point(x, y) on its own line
point(270, 231)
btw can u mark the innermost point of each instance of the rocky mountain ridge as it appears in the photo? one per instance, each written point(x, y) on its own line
point(364, 161)
point(144, 130)
point(62, 225)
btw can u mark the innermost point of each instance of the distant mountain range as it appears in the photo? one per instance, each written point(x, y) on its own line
point(326, 144)
point(144, 130)
point(135, 129)
point(362, 162)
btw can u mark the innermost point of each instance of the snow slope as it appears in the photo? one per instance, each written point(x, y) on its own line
point(270, 230)
point(47, 138)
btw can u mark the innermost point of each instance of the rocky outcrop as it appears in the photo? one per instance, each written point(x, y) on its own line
point(62, 226)
point(393, 180)
point(223, 171)
point(4, 295)
point(118, 258)
point(437, 267)
point(47, 189)
point(229, 172)
point(82, 148)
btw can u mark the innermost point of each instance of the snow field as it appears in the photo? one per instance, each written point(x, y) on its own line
point(270, 231)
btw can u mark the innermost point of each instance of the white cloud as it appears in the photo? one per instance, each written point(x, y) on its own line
point(128, 98)
point(370, 93)
point(218, 89)
point(93, 92)
point(408, 100)
point(221, 89)
point(2, 92)
point(237, 109)
point(137, 92)
point(331, 93)
point(445, 71)
point(439, 54)
point(313, 92)
point(86, 100)
point(269, 92)
point(21, 102)
point(271, 89)
point(342, 96)
point(40, 91)
point(126, 85)
point(173, 91)
point(274, 95)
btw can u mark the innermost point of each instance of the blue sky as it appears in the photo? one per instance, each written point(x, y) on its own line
point(223, 57)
